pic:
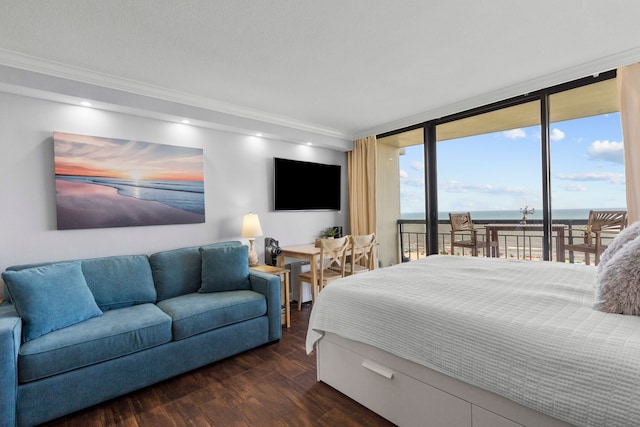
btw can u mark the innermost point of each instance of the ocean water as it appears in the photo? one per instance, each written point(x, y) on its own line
point(557, 214)
point(185, 195)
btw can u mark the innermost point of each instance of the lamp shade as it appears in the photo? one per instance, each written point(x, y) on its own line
point(251, 226)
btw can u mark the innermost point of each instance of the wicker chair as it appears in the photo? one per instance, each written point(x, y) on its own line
point(333, 253)
point(461, 223)
point(608, 222)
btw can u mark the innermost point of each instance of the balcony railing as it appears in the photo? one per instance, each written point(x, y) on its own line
point(515, 245)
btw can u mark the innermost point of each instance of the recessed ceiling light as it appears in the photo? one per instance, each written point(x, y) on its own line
point(85, 103)
point(186, 122)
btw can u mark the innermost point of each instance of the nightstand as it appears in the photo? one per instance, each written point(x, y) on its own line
point(284, 288)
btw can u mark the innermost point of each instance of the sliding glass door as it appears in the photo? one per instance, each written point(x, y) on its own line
point(489, 166)
point(587, 157)
point(551, 156)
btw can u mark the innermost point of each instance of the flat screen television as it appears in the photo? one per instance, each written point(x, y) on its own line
point(302, 186)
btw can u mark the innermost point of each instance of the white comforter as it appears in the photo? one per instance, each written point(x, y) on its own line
point(524, 330)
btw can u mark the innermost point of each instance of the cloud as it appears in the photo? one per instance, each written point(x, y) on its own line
point(609, 151)
point(464, 187)
point(412, 200)
point(417, 165)
point(612, 177)
point(406, 179)
point(557, 135)
point(574, 187)
point(514, 133)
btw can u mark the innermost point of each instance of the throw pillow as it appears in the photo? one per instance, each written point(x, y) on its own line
point(618, 288)
point(176, 272)
point(624, 237)
point(50, 297)
point(225, 268)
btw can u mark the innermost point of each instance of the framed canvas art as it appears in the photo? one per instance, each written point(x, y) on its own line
point(107, 182)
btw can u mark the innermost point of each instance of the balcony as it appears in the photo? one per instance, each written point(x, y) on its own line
point(513, 245)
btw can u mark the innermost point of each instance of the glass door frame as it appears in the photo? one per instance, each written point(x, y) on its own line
point(430, 154)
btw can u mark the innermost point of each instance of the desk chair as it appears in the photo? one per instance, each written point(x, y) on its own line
point(362, 254)
point(608, 222)
point(333, 253)
point(461, 223)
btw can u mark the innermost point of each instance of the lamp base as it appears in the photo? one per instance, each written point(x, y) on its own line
point(253, 256)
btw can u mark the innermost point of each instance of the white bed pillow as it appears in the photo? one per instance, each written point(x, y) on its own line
point(618, 288)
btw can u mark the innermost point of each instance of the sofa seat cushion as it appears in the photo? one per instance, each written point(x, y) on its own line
point(116, 333)
point(196, 313)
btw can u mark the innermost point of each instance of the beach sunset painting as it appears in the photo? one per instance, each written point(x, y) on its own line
point(107, 182)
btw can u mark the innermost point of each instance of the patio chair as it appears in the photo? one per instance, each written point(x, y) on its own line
point(461, 224)
point(608, 222)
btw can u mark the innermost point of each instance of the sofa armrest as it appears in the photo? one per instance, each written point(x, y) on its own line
point(10, 339)
point(269, 286)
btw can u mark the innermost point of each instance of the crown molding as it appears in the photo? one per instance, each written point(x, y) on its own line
point(64, 71)
point(51, 68)
point(627, 57)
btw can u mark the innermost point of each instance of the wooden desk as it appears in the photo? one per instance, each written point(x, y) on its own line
point(493, 229)
point(308, 252)
point(284, 287)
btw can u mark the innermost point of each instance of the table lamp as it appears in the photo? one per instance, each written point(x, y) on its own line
point(251, 228)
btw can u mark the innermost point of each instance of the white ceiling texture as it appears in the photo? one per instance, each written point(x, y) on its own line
point(331, 70)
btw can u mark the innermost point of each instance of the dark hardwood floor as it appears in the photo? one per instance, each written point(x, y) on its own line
point(274, 385)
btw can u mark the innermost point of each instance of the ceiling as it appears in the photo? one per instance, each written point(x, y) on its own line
point(334, 68)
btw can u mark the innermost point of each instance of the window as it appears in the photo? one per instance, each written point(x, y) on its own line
point(491, 161)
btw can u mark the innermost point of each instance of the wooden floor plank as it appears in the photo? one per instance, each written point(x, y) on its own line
point(274, 385)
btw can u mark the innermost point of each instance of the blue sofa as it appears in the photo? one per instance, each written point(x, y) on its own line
point(93, 329)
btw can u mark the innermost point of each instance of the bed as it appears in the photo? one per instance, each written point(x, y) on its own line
point(482, 342)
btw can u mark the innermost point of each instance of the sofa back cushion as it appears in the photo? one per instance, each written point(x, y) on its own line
point(225, 267)
point(120, 281)
point(115, 282)
point(176, 272)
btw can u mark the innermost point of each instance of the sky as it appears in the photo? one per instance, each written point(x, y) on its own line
point(502, 170)
point(117, 158)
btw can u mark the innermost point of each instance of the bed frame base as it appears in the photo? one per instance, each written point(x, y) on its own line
point(409, 394)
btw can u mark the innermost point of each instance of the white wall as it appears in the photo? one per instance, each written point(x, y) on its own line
point(238, 179)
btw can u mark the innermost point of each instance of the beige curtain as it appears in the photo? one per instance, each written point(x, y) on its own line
point(361, 167)
point(629, 97)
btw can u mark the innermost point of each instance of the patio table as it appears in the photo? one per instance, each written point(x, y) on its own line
point(493, 229)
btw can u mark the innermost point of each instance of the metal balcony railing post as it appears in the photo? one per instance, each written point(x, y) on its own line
point(571, 243)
